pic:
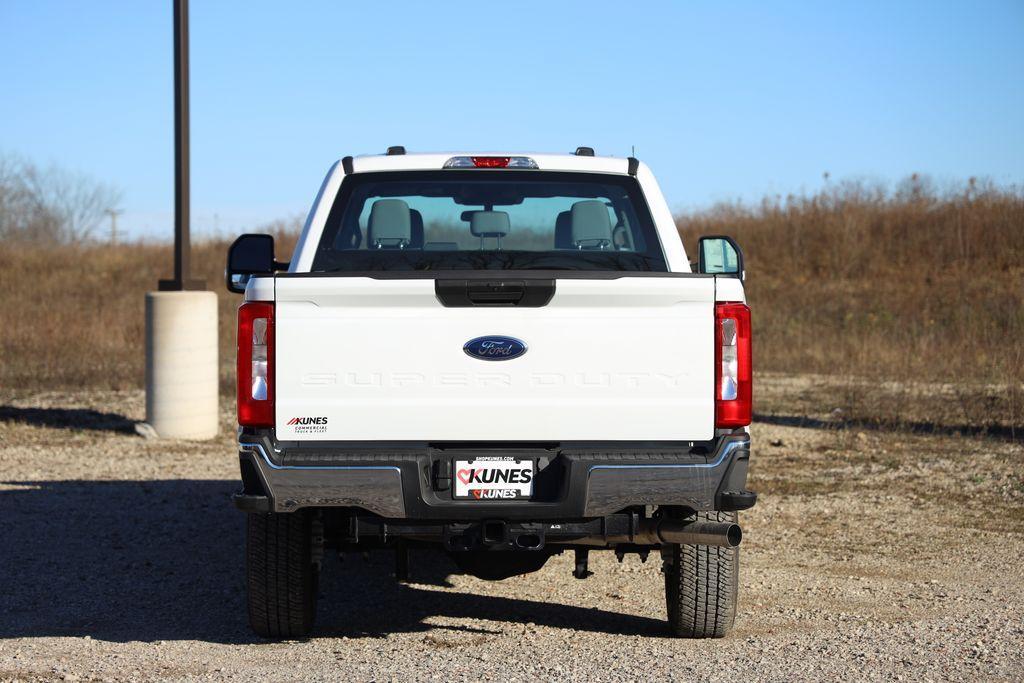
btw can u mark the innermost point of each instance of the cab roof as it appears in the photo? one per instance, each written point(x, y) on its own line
point(436, 161)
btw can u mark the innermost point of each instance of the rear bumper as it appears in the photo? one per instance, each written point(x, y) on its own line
point(573, 482)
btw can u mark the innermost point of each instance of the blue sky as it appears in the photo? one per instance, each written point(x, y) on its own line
point(723, 100)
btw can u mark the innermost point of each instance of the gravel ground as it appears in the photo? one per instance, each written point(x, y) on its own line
point(871, 555)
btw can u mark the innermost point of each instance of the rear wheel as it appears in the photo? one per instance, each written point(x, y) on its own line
point(702, 585)
point(282, 575)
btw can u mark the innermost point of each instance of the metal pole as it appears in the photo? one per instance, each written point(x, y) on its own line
point(181, 325)
point(182, 244)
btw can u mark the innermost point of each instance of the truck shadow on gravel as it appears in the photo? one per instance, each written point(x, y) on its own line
point(360, 599)
point(68, 418)
point(163, 560)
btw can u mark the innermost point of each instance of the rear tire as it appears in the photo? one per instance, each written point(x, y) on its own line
point(282, 577)
point(702, 585)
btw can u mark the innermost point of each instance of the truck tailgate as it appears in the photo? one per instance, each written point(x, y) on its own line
point(626, 359)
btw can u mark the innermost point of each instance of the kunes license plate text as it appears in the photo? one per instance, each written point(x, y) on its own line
point(493, 479)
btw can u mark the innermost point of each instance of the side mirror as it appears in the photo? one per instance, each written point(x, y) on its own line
point(247, 256)
point(719, 255)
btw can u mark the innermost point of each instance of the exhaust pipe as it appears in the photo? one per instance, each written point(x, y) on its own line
point(658, 532)
point(724, 534)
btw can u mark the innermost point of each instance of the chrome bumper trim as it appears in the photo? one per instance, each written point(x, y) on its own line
point(376, 488)
point(613, 487)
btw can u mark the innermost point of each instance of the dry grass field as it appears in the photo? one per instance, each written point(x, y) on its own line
point(73, 316)
point(900, 308)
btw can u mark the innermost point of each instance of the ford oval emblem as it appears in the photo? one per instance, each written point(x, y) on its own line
point(494, 348)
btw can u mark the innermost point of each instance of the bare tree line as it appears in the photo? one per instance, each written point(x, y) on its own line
point(51, 204)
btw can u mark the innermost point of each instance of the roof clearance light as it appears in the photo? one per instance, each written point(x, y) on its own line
point(490, 162)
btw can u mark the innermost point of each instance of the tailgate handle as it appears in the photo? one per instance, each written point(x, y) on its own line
point(495, 293)
point(463, 293)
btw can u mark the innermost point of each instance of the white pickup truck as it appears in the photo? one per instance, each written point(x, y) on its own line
point(503, 356)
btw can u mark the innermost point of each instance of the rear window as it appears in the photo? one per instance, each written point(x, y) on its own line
point(484, 220)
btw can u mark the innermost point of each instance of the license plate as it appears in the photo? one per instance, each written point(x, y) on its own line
point(493, 479)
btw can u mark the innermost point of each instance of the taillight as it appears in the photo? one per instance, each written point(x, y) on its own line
point(256, 364)
point(733, 366)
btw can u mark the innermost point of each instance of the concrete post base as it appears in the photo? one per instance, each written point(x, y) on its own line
point(181, 364)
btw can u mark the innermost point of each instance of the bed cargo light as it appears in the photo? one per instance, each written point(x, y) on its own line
point(733, 367)
point(490, 162)
point(255, 369)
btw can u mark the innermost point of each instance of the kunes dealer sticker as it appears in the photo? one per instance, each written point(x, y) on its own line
point(308, 425)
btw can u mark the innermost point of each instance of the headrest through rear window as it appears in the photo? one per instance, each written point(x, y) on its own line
point(489, 224)
point(563, 231)
point(591, 225)
point(416, 229)
point(390, 225)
